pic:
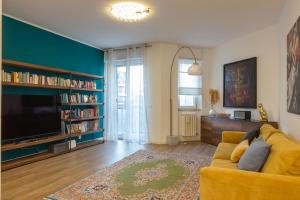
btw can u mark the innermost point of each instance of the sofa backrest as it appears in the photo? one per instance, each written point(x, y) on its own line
point(284, 157)
point(267, 130)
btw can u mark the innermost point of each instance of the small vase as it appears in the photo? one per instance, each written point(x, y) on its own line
point(212, 111)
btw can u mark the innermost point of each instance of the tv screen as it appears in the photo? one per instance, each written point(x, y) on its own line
point(29, 116)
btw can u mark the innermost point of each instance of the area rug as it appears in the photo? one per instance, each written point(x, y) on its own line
point(144, 175)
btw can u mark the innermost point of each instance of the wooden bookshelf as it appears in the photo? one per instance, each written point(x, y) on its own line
point(26, 160)
point(44, 155)
point(82, 119)
point(27, 85)
point(55, 70)
point(87, 132)
point(12, 146)
point(87, 144)
point(82, 104)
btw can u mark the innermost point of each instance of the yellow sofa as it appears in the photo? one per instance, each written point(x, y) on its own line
point(278, 180)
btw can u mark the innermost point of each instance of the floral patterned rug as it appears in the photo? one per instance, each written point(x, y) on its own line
point(144, 175)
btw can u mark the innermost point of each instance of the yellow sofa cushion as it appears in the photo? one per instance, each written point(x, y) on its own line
point(224, 151)
point(284, 157)
point(239, 150)
point(223, 164)
point(267, 130)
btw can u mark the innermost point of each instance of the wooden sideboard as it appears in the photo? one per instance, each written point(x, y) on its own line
point(212, 127)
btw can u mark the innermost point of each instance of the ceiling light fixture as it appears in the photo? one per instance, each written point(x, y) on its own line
point(130, 11)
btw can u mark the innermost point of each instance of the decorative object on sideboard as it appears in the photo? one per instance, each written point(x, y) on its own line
point(293, 69)
point(239, 86)
point(213, 100)
point(196, 70)
point(240, 114)
point(263, 113)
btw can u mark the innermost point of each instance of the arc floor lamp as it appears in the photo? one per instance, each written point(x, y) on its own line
point(196, 70)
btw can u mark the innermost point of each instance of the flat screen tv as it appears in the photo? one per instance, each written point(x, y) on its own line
point(29, 116)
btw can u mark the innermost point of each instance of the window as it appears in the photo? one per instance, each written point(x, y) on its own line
point(189, 87)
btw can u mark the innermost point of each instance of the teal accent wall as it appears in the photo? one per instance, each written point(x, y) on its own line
point(26, 43)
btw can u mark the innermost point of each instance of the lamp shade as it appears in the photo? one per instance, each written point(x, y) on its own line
point(195, 69)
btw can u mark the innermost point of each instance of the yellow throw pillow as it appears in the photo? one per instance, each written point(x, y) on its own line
point(239, 150)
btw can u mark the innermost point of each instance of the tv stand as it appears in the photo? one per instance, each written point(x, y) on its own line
point(27, 143)
point(44, 155)
point(29, 140)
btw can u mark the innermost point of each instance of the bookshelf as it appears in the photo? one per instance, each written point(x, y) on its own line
point(83, 104)
point(48, 69)
point(12, 146)
point(86, 144)
point(44, 155)
point(83, 119)
point(48, 87)
point(87, 132)
point(60, 136)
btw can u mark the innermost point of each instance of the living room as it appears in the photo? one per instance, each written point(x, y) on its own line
point(150, 99)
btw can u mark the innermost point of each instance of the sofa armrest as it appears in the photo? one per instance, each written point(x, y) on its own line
point(232, 136)
point(231, 184)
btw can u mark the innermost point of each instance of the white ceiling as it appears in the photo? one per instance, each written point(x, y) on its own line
point(190, 22)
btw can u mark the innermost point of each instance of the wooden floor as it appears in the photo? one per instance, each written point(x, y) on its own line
point(37, 180)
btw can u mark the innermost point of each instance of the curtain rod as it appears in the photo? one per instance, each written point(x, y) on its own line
point(129, 47)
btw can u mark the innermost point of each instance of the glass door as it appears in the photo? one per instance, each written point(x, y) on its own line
point(121, 100)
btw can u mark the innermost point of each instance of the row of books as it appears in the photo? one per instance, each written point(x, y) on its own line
point(78, 113)
point(37, 79)
point(82, 127)
point(78, 98)
point(83, 84)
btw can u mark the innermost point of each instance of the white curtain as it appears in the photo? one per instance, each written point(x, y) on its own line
point(126, 115)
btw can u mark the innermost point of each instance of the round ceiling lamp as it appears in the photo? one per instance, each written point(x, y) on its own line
point(130, 11)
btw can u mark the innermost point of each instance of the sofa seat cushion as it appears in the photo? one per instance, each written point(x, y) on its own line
point(223, 164)
point(284, 157)
point(224, 151)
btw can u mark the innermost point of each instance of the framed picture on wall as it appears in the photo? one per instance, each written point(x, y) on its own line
point(239, 84)
point(293, 69)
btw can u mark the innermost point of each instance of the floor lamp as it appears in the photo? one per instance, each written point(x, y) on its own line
point(194, 69)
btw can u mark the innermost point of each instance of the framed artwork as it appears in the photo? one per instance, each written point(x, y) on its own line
point(293, 69)
point(239, 84)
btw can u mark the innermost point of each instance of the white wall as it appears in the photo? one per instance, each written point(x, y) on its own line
point(268, 45)
point(159, 58)
point(262, 44)
point(288, 122)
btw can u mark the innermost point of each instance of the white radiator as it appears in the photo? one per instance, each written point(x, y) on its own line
point(188, 124)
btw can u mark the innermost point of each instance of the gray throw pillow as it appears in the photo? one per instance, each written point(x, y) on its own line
point(255, 156)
